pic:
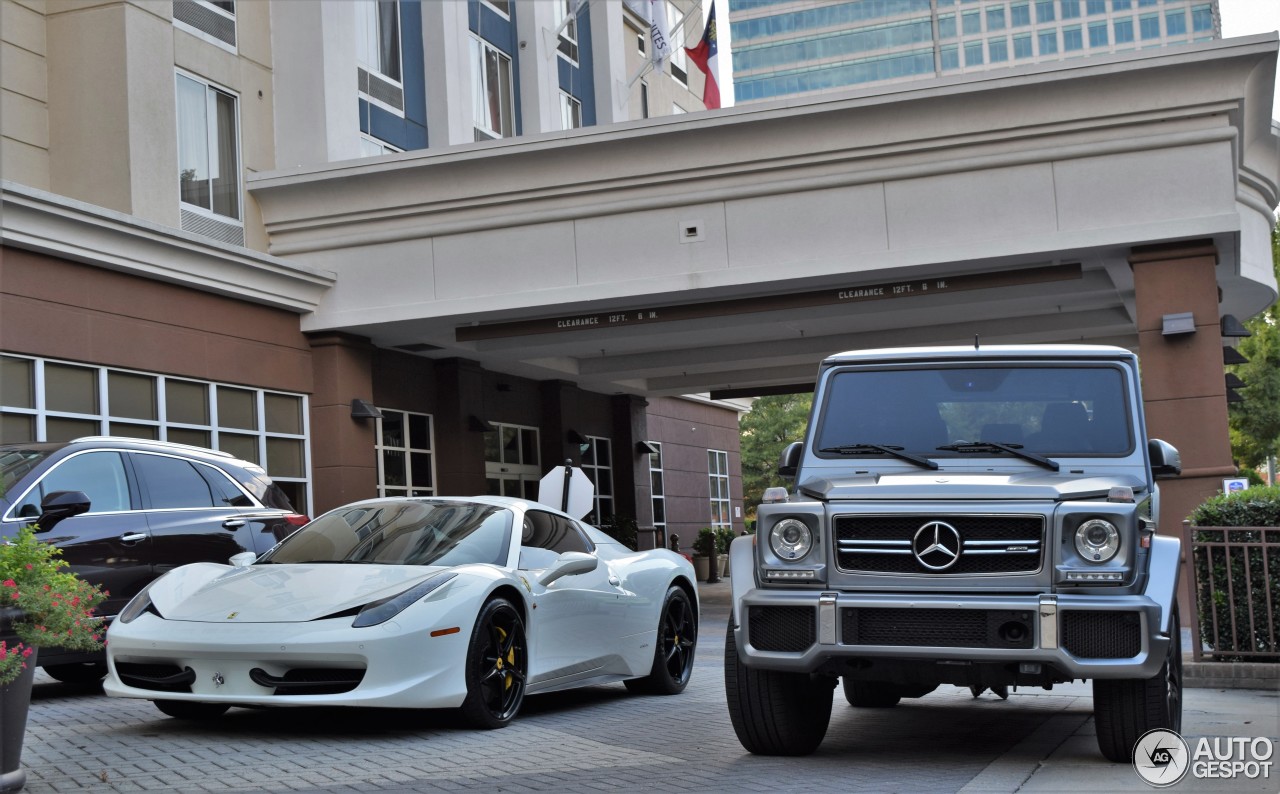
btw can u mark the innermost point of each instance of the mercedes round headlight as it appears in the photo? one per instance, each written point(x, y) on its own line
point(1097, 540)
point(790, 539)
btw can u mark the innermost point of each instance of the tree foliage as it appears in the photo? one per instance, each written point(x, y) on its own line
point(1255, 422)
point(772, 423)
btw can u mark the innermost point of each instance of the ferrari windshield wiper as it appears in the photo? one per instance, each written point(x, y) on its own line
point(995, 446)
point(862, 449)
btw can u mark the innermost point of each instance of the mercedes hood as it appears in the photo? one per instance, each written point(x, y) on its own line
point(1034, 485)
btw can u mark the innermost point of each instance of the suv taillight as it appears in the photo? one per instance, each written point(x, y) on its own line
point(297, 519)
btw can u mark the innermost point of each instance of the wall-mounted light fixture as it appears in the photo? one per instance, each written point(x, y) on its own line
point(478, 425)
point(1178, 324)
point(1232, 356)
point(1232, 327)
point(648, 447)
point(363, 409)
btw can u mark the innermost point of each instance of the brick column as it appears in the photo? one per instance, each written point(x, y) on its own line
point(343, 463)
point(459, 444)
point(1183, 382)
point(632, 490)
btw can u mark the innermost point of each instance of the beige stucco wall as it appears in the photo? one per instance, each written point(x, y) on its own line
point(24, 110)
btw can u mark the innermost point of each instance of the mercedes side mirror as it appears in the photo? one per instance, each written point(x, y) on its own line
point(59, 505)
point(1165, 460)
point(789, 460)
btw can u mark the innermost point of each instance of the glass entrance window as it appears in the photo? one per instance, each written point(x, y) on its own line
point(406, 462)
point(512, 465)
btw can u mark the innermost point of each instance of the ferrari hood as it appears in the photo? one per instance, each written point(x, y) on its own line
point(207, 592)
point(1052, 486)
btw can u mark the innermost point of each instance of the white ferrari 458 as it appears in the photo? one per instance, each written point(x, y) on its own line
point(467, 603)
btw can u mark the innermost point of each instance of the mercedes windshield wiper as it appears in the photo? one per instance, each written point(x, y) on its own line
point(862, 449)
point(993, 446)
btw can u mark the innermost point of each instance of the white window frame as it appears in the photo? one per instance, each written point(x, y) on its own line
point(570, 112)
point(381, 448)
point(200, 34)
point(675, 32)
point(718, 483)
point(569, 34)
point(161, 424)
point(382, 146)
point(498, 11)
point(211, 127)
point(657, 472)
point(363, 58)
point(480, 87)
point(592, 471)
point(519, 471)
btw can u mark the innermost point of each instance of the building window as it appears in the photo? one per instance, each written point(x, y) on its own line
point(949, 57)
point(995, 18)
point(1072, 39)
point(1020, 15)
point(570, 112)
point(947, 26)
point(503, 7)
point(493, 99)
point(1022, 46)
point(512, 465)
point(675, 32)
point(406, 465)
point(1044, 11)
point(658, 489)
point(998, 50)
point(1175, 22)
point(378, 60)
point(718, 473)
point(597, 464)
point(1096, 7)
point(644, 100)
point(212, 20)
point(971, 22)
point(568, 45)
point(1149, 26)
point(372, 147)
point(1098, 34)
point(48, 400)
point(1123, 29)
point(1201, 18)
point(973, 53)
point(1121, 5)
point(208, 148)
point(1070, 9)
point(1048, 42)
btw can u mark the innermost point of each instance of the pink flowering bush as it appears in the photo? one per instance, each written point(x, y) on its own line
point(57, 607)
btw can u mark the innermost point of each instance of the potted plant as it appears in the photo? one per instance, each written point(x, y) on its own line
point(44, 604)
point(703, 547)
point(724, 536)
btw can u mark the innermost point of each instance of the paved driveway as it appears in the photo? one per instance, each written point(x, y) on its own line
point(603, 739)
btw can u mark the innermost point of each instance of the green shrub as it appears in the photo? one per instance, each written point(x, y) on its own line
point(1252, 507)
point(1236, 580)
point(705, 541)
point(724, 536)
point(621, 529)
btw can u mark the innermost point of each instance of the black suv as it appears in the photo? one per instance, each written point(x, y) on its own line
point(153, 507)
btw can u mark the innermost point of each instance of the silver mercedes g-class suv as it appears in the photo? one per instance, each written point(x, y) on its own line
point(984, 517)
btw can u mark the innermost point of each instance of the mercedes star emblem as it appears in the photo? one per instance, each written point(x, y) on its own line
point(936, 545)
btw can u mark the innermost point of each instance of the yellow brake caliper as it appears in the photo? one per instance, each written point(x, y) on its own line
point(510, 660)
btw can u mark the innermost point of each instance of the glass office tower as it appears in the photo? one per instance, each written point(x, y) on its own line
point(805, 47)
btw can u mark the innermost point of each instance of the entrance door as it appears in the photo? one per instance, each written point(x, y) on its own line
point(511, 461)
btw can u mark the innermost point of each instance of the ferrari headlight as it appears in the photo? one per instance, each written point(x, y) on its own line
point(790, 539)
point(381, 611)
point(137, 605)
point(1097, 540)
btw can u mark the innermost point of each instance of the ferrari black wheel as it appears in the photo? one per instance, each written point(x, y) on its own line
point(190, 710)
point(673, 648)
point(497, 665)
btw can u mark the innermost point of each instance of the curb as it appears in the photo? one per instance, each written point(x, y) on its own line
point(1231, 675)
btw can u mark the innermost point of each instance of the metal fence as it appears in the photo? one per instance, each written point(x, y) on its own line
point(1236, 576)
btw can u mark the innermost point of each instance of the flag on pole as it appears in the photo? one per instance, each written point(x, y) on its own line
point(704, 56)
point(655, 13)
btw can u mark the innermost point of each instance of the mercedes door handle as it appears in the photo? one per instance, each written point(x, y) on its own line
point(232, 523)
point(133, 537)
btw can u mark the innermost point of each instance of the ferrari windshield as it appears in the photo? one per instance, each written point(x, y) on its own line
point(998, 410)
point(402, 532)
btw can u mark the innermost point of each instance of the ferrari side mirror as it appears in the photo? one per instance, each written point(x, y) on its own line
point(568, 564)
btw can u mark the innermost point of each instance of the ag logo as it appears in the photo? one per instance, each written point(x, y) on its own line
point(1161, 758)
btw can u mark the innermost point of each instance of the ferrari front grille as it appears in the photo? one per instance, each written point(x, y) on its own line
point(310, 680)
point(156, 677)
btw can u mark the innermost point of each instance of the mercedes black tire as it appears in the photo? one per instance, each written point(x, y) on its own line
point(774, 712)
point(1126, 708)
point(676, 641)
